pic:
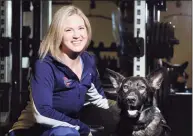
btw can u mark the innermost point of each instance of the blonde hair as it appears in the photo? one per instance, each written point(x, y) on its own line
point(52, 41)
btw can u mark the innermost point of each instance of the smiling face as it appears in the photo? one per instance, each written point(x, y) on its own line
point(75, 36)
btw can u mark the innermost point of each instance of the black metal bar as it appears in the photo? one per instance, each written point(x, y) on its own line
point(36, 28)
point(61, 2)
point(16, 58)
point(4, 96)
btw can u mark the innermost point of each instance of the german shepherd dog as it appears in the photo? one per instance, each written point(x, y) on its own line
point(139, 115)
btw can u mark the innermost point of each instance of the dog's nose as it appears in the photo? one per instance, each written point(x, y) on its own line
point(131, 99)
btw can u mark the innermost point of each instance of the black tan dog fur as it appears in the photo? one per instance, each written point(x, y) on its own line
point(139, 116)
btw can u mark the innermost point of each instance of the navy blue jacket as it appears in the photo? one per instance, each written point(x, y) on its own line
point(57, 95)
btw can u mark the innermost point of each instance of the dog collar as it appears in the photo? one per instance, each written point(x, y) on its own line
point(143, 109)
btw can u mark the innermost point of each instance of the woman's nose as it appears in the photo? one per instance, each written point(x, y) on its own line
point(76, 34)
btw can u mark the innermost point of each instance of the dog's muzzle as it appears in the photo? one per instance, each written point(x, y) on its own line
point(131, 100)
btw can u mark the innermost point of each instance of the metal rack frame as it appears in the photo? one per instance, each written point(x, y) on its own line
point(5, 26)
point(140, 17)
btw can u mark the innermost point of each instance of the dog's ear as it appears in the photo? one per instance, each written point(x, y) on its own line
point(115, 78)
point(184, 65)
point(156, 77)
point(166, 64)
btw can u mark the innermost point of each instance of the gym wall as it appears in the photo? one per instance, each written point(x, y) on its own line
point(181, 17)
point(102, 28)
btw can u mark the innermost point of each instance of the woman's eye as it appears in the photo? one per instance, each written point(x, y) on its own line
point(68, 30)
point(81, 28)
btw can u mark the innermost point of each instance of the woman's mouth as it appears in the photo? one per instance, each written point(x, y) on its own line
point(76, 42)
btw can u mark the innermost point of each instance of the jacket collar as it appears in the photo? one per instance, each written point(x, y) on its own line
point(86, 61)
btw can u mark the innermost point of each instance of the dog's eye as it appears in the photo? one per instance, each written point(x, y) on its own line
point(142, 87)
point(125, 87)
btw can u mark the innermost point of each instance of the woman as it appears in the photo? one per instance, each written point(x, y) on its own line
point(64, 79)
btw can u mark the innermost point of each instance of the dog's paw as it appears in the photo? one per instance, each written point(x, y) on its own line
point(138, 133)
